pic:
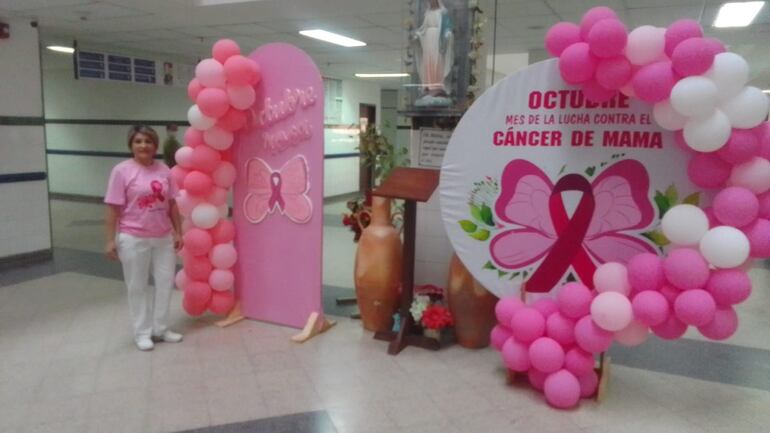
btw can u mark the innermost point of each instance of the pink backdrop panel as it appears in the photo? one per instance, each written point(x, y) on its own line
point(278, 194)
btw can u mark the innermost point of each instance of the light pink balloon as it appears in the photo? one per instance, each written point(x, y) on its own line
point(217, 196)
point(193, 89)
point(241, 97)
point(590, 337)
point(218, 138)
point(187, 202)
point(634, 334)
point(611, 311)
point(183, 156)
point(753, 174)
point(499, 335)
point(210, 73)
point(516, 355)
point(181, 279)
point(221, 279)
point(612, 277)
point(223, 256)
point(178, 174)
point(223, 49)
point(224, 175)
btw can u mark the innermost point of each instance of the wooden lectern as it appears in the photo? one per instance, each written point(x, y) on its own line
point(411, 185)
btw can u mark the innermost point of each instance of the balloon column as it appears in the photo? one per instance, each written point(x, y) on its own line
point(222, 90)
point(698, 90)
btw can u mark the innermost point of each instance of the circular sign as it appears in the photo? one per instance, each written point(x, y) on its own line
point(539, 185)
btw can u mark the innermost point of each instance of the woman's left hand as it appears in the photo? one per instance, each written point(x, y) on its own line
point(178, 242)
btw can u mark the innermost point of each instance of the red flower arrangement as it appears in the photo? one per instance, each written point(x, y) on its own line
point(436, 317)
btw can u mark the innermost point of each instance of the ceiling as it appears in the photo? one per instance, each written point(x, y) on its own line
point(183, 29)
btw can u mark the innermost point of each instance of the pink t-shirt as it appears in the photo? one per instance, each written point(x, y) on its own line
point(143, 193)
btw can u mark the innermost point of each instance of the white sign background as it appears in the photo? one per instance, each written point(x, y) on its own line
point(472, 156)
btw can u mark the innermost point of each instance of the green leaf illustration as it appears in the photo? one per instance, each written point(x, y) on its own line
point(476, 213)
point(501, 274)
point(657, 237)
point(662, 202)
point(693, 199)
point(590, 171)
point(514, 275)
point(524, 275)
point(563, 167)
point(672, 195)
point(490, 266)
point(481, 235)
point(468, 226)
point(486, 215)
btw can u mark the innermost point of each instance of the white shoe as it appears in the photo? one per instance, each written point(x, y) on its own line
point(169, 337)
point(144, 343)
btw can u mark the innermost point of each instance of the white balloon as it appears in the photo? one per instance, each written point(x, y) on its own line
point(645, 44)
point(666, 117)
point(694, 96)
point(730, 73)
point(725, 247)
point(205, 216)
point(708, 133)
point(747, 109)
point(218, 138)
point(198, 120)
point(634, 334)
point(241, 97)
point(753, 174)
point(685, 224)
point(611, 311)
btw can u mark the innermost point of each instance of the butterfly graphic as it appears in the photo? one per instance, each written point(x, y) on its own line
point(284, 189)
point(615, 202)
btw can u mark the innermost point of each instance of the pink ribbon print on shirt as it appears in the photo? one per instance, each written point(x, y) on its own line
point(616, 201)
point(284, 189)
point(156, 196)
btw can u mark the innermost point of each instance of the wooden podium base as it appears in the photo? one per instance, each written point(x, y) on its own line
point(316, 324)
point(232, 318)
point(406, 337)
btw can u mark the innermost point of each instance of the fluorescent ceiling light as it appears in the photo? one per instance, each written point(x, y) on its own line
point(739, 14)
point(60, 49)
point(766, 91)
point(381, 75)
point(332, 38)
point(222, 2)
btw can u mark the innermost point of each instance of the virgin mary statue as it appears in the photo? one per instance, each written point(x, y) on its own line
point(434, 55)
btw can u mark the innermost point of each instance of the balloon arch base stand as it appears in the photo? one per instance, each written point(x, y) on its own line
point(316, 324)
point(603, 368)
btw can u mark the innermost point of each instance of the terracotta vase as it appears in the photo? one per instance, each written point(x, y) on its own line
point(471, 305)
point(378, 269)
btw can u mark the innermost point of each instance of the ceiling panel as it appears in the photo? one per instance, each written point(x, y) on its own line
point(25, 5)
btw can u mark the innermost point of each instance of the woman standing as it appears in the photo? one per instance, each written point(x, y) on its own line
point(141, 209)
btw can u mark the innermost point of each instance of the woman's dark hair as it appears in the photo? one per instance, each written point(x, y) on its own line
point(143, 129)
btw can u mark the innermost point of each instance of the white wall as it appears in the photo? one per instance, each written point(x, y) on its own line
point(24, 214)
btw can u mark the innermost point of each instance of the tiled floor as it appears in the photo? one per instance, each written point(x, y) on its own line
point(67, 364)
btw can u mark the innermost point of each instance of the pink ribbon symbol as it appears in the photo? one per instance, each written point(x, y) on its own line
point(284, 189)
point(275, 185)
point(616, 201)
point(157, 190)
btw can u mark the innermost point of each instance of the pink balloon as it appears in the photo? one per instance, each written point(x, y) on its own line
point(650, 307)
point(671, 329)
point(612, 277)
point(223, 256)
point(753, 174)
point(223, 49)
point(256, 73)
point(210, 73)
point(607, 38)
point(221, 280)
point(561, 36)
point(709, 211)
point(764, 205)
point(239, 72)
point(223, 232)
point(205, 159)
point(653, 83)
point(562, 390)
point(590, 337)
point(759, 238)
point(500, 334)
point(182, 156)
point(178, 174)
point(197, 242)
point(577, 64)
point(546, 307)
point(693, 56)
point(193, 137)
point(579, 362)
point(193, 89)
point(723, 326)
point(241, 97)
point(233, 120)
point(670, 293)
point(213, 102)
point(527, 324)
point(217, 196)
point(574, 300)
point(680, 31)
point(222, 302)
point(536, 379)
point(506, 307)
point(181, 279)
point(546, 355)
point(591, 17)
point(596, 93)
point(716, 45)
point(515, 355)
point(741, 147)
point(707, 170)
point(218, 138)
point(634, 334)
point(187, 225)
point(645, 272)
point(614, 72)
point(736, 206)
point(560, 328)
point(589, 383)
point(224, 175)
point(193, 309)
point(198, 293)
point(198, 183)
point(729, 286)
point(681, 143)
point(197, 268)
point(686, 269)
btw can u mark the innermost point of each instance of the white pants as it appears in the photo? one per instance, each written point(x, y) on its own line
point(148, 307)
